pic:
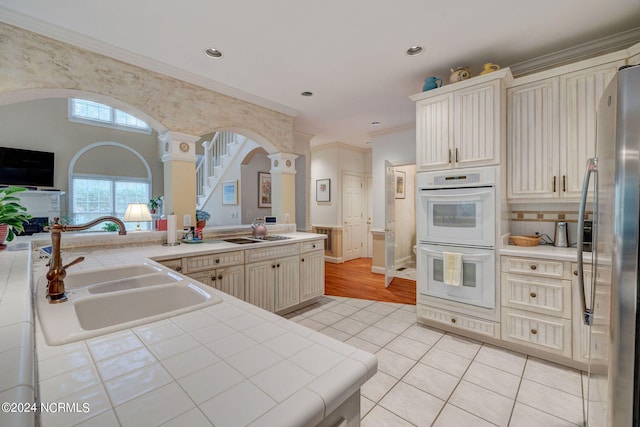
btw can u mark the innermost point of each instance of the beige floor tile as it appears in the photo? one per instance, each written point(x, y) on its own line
point(379, 385)
point(365, 406)
point(393, 364)
point(526, 416)
point(452, 416)
point(493, 379)
point(445, 361)
point(407, 347)
point(431, 380)
point(502, 359)
point(552, 375)
point(483, 403)
point(380, 417)
point(459, 346)
point(412, 404)
point(552, 401)
point(423, 334)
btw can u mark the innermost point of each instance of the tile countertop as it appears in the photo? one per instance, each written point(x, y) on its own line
point(228, 364)
point(546, 252)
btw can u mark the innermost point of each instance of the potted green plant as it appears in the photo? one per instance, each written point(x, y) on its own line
point(201, 218)
point(155, 203)
point(12, 213)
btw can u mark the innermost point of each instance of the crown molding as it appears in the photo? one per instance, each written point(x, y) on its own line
point(55, 32)
point(408, 126)
point(577, 53)
point(340, 145)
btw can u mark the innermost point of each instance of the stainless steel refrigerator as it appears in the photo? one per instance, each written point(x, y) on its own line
point(608, 279)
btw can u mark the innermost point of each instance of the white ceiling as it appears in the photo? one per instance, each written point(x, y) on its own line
point(349, 53)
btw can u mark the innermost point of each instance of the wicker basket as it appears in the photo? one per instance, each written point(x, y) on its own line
point(525, 240)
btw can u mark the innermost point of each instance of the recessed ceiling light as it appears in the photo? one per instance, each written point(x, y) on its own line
point(375, 123)
point(307, 93)
point(415, 50)
point(213, 53)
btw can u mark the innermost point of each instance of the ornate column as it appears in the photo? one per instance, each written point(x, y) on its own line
point(178, 154)
point(283, 187)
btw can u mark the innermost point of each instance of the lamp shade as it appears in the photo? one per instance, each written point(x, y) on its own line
point(137, 212)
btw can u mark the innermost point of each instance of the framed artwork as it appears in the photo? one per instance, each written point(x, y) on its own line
point(401, 184)
point(323, 190)
point(264, 190)
point(230, 192)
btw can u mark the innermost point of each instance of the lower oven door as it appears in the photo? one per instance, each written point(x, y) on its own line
point(478, 275)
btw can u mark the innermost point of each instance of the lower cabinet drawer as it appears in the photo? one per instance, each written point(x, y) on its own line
point(483, 327)
point(548, 333)
point(540, 294)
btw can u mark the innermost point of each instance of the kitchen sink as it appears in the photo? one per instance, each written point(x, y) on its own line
point(110, 299)
point(242, 240)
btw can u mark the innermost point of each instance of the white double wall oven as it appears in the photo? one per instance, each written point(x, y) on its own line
point(456, 214)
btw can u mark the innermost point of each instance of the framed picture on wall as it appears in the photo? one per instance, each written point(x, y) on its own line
point(264, 190)
point(323, 190)
point(230, 192)
point(401, 184)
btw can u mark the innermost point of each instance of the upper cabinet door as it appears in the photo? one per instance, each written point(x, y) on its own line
point(477, 132)
point(533, 137)
point(434, 132)
point(580, 92)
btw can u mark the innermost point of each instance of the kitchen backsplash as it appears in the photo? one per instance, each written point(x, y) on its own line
point(529, 219)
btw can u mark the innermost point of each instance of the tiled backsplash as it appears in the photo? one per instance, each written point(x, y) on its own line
point(529, 219)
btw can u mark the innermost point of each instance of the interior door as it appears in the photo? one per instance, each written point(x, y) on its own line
point(390, 223)
point(352, 216)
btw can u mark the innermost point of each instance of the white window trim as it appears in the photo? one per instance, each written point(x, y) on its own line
point(80, 152)
point(99, 123)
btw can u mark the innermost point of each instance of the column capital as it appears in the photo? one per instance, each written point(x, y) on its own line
point(177, 146)
point(283, 163)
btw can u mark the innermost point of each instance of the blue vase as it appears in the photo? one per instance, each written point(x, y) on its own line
point(431, 83)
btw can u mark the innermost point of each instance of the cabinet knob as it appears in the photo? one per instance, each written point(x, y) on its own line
point(220, 277)
point(213, 278)
point(278, 265)
point(453, 320)
point(533, 295)
point(533, 266)
point(575, 272)
point(217, 260)
point(313, 246)
point(534, 331)
point(178, 268)
point(301, 259)
point(273, 266)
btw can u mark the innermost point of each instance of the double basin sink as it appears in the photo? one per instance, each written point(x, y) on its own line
point(110, 299)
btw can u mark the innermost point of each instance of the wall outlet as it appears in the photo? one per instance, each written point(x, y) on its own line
point(186, 220)
point(286, 218)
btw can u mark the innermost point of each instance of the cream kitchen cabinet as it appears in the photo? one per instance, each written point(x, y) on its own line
point(536, 304)
point(227, 279)
point(601, 310)
point(272, 277)
point(551, 128)
point(311, 270)
point(462, 124)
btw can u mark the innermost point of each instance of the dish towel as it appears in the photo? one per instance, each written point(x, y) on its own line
point(452, 268)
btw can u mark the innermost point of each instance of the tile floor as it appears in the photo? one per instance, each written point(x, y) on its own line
point(427, 377)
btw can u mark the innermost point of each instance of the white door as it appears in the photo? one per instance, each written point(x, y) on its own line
point(369, 212)
point(390, 223)
point(352, 215)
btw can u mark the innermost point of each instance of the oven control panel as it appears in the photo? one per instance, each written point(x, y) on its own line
point(470, 178)
point(473, 177)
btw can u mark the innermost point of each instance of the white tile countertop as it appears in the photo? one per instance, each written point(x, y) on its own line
point(545, 251)
point(228, 364)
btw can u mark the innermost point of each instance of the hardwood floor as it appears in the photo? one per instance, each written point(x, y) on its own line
point(354, 279)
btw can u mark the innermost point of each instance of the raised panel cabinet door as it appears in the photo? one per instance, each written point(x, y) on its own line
point(477, 131)
point(580, 93)
point(533, 136)
point(259, 287)
point(311, 275)
point(231, 280)
point(287, 282)
point(434, 133)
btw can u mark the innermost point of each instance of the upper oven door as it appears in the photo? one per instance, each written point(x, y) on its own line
point(458, 216)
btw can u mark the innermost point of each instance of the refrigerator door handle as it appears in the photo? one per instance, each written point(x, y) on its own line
point(592, 167)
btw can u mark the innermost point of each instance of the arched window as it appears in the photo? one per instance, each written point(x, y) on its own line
point(104, 178)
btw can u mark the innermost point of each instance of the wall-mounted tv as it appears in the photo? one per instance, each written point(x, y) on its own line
point(26, 167)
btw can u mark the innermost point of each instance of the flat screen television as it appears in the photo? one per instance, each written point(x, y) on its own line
point(26, 167)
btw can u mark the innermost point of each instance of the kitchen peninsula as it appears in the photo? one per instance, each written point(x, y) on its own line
point(231, 363)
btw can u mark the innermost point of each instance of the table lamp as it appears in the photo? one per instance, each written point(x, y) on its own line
point(137, 212)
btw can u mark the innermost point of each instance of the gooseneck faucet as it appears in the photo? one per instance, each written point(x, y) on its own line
point(57, 272)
